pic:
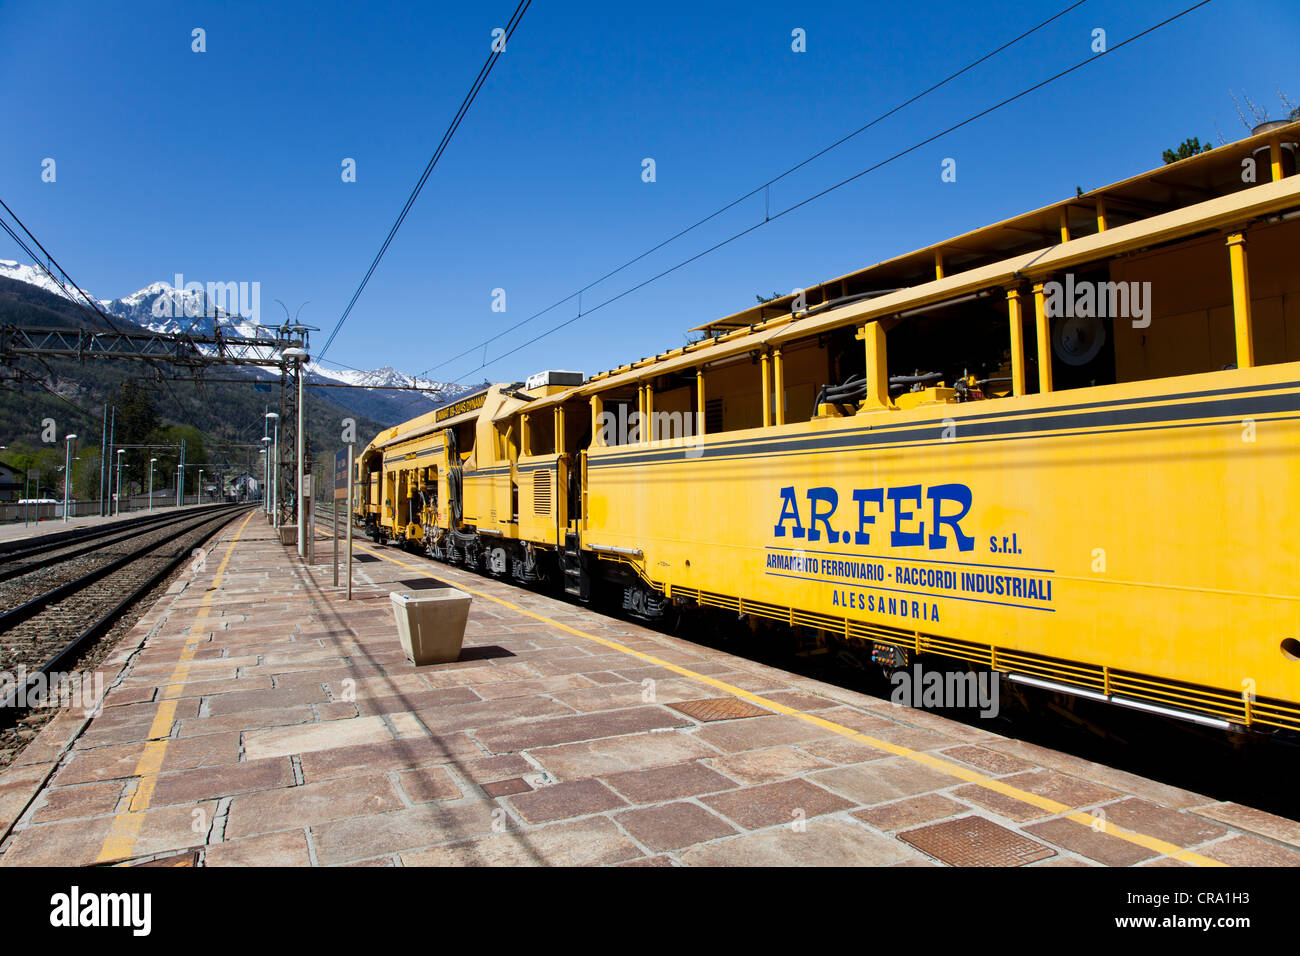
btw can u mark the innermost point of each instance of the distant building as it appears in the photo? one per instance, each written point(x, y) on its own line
point(11, 483)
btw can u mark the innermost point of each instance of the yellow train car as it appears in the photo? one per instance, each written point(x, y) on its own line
point(1064, 447)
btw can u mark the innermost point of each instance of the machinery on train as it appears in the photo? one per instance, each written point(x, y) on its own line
point(1064, 447)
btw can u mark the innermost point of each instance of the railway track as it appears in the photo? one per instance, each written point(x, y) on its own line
point(57, 597)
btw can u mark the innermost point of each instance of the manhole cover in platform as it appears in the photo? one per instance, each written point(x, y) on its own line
point(364, 557)
point(974, 841)
point(719, 708)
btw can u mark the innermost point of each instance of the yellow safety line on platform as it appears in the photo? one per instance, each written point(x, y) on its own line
point(122, 835)
point(1097, 823)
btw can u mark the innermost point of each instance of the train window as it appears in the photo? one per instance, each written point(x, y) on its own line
point(577, 426)
point(962, 350)
point(541, 432)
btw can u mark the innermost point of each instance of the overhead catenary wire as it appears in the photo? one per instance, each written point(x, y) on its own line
point(498, 47)
point(762, 187)
point(829, 189)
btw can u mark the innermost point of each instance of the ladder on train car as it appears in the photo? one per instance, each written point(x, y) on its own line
point(575, 576)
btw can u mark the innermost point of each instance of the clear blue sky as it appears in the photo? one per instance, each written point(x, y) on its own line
point(225, 165)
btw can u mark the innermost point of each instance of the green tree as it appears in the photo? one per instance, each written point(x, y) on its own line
point(137, 421)
point(1188, 147)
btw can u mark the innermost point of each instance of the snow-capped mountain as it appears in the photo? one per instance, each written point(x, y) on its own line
point(193, 307)
point(35, 275)
point(385, 377)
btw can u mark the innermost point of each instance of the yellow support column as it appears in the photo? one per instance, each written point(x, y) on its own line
point(699, 401)
point(767, 392)
point(877, 368)
point(559, 430)
point(1101, 214)
point(1065, 224)
point(938, 264)
point(778, 386)
point(1275, 157)
point(1044, 331)
point(597, 410)
point(649, 411)
point(525, 436)
point(1241, 300)
point(1015, 313)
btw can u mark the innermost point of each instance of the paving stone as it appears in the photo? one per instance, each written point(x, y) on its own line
point(659, 859)
point(1256, 821)
point(250, 720)
point(756, 733)
point(1001, 804)
point(559, 730)
point(564, 800)
point(1085, 841)
point(824, 842)
point(594, 841)
point(668, 783)
point(425, 825)
point(329, 735)
point(774, 803)
point(882, 781)
point(910, 812)
point(78, 842)
point(1064, 789)
point(89, 800)
point(842, 750)
point(1140, 816)
point(1251, 851)
point(860, 720)
point(428, 783)
point(286, 848)
point(766, 766)
point(800, 701)
point(105, 763)
point(493, 715)
point(291, 807)
point(635, 752)
point(191, 786)
point(540, 685)
point(672, 826)
point(503, 788)
point(990, 761)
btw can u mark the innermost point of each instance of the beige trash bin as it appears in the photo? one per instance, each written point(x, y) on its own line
point(431, 624)
point(289, 534)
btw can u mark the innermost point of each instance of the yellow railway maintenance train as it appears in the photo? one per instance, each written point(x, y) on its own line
point(1065, 448)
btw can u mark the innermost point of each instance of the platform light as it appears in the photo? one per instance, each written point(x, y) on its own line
point(67, 471)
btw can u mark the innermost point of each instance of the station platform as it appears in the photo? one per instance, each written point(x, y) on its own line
point(256, 717)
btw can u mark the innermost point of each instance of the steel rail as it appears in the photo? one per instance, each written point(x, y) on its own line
point(30, 609)
point(9, 712)
point(90, 545)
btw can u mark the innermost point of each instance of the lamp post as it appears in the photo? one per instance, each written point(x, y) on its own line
point(180, 485)
point(266, 476)
point(299, 356)
point(262, 452)
point(120, 453)
point(151, 463)
point(67, 471)
point(198, 499)
point(274, 417)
